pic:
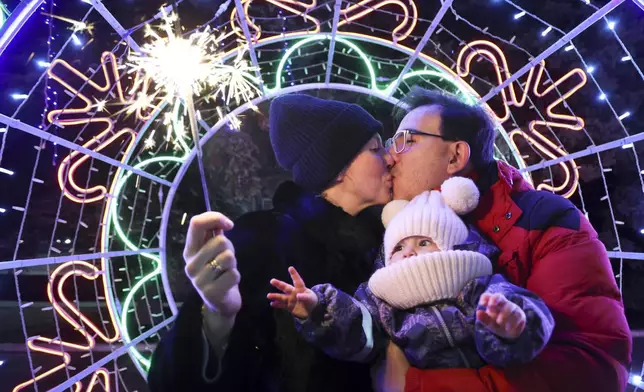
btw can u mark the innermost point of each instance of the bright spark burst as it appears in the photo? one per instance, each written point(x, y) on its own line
point(183, 67)
point(149, 143)
point(236, 81)
point(140, 103)
point(100, 104)
point(168, 133)
point(176, 146)
point(235, 122)
point(167, 118)
point(179, 66)
point(76, 25)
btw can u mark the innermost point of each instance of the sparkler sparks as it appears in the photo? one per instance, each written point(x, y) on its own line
point(179, 131)
point(100, 104)
point(140, 103)
point(184, 67)
point(76, 25)
point(149, 143)
point(179, 66)
point(235, 122)
point(236, 81)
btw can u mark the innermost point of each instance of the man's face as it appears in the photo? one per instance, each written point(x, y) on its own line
point(423, 164)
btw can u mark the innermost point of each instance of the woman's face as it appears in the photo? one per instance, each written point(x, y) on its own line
point(367, 177)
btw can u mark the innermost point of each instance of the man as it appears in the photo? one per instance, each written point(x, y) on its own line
point(547, 246)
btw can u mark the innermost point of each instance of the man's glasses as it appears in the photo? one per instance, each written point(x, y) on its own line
point(401, 138)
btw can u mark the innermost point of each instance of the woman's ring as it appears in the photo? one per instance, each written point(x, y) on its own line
point(216, 268)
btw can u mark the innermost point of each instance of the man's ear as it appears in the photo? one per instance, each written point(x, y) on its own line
point(459, 157)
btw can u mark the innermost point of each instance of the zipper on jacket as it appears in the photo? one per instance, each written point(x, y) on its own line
point(450, 339)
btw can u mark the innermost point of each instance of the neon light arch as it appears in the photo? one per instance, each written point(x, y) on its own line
point(110, 219)
point(439, 70)
point(14, 21)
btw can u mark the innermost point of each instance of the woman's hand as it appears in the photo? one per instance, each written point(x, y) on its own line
point(501, 316)
point(297, 299)
point(211, 264)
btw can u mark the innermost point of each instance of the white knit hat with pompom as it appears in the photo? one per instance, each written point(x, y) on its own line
point(431, 214)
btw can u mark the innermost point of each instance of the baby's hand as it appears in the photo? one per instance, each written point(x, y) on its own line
point(297, 299)
point(501, 316)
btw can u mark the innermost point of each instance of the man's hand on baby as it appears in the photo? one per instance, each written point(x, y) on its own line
point(296, 298)
point(501, 316)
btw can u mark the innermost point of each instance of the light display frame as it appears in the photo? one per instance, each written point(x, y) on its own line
point(243, 27)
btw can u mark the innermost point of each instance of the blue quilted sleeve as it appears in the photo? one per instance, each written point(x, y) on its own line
point(502, 352)
point(342, 326)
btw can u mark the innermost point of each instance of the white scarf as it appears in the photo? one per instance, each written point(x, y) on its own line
point(428, 277)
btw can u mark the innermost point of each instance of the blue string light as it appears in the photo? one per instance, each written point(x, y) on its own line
point(49, 98)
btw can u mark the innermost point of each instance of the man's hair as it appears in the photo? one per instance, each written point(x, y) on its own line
point(459, 121)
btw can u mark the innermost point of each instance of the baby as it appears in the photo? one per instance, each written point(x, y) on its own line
point(436, 299)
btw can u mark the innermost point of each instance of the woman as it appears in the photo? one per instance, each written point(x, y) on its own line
point(322, 224)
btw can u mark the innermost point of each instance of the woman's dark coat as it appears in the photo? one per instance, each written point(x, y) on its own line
point(265, 353)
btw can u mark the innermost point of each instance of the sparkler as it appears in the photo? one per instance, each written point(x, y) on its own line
point(183, 67)
point(180, 66)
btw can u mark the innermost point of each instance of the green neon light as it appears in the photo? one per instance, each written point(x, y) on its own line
point(123, 237)
point(126, 305)
point(113, 219)
point(117, 191)
point(4, 14)
point(299, 44)
point(467, 96)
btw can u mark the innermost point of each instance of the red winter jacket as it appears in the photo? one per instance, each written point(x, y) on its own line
point(550, 248)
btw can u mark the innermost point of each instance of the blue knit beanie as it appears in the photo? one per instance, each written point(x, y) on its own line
point(315, 139)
